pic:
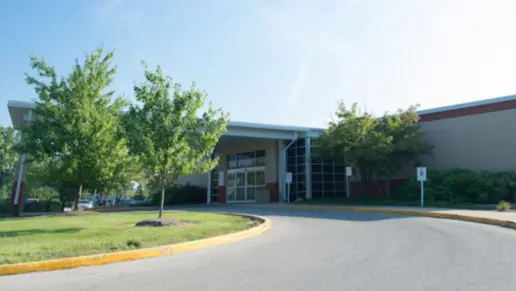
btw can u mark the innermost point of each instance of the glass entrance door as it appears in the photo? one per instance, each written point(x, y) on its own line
point(243, 184)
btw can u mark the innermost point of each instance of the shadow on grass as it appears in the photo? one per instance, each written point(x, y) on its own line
point(28, 232)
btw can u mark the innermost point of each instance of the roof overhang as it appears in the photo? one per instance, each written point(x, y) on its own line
point(21, 114)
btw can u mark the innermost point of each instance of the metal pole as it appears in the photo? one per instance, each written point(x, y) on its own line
point(18, 186)
point(288, 193)
point(348, 191)
point(422, 194)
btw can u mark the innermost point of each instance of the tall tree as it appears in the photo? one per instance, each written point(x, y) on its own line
point(378, 147)
point(8, 155)
point(166, 131)
point(76, 117)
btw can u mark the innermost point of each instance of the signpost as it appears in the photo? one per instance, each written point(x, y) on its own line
point(288, 180)
point(349, 172)
point(421, 177)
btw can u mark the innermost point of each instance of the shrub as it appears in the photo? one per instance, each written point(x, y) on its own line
point(503, 206)
point(181, 194)
point(4, 208)
point(461, 186)
point(42, 206)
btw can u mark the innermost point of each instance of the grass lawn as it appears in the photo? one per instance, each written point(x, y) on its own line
point(41, 238)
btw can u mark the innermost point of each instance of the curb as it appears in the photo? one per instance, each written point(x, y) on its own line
point(483, 220)
point(108, 258)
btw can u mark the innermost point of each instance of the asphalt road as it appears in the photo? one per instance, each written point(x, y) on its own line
point(316, 250)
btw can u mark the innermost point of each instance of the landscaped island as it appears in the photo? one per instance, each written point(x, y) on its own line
point(51, 237)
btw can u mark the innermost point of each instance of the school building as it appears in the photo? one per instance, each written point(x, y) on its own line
point(254, 158)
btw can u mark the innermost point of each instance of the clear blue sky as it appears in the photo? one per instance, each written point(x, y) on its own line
point(277, 61)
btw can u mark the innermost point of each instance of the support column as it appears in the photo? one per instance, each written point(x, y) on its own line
point(281, 170)
point(308, 167)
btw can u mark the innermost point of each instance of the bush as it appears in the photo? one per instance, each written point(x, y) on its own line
point(42, 206)
point(461, 186)
point(4, 207)
point(178, 194)
point(503, 206)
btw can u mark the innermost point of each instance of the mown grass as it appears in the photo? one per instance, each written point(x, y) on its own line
point(41, 238)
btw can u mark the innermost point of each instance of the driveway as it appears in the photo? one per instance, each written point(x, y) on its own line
point(315, 250)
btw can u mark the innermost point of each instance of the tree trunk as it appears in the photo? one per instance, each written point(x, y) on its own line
point(77, 198)
point(101, 197)
point(162, 202)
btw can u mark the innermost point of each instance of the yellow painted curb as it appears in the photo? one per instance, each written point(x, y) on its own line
point(484, 220)
point(101, 259)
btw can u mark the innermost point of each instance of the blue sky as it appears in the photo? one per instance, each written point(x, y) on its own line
point(277, 61)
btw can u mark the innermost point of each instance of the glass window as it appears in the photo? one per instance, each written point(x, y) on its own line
point(247, 159)
point(240, 179)
point(301, 186)
point(232, 164)
point(316, 168)
point(328, 168)
point(340, 169)
point(251, 195)
point(251, 178)
point(232, 194)
point(317, 186)
point(260, 178)
point(240, 194)
point(328, 177)
point(329, 187)
point(340, 186)
point(316, 177)
point(231, 179)
point(259, 162)
point(340, 177)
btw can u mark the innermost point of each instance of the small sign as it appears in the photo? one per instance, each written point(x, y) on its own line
point(289, 178)
point(421, 173)
point(221, 178)
point(349, 171)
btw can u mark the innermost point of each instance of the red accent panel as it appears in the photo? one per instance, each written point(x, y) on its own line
point(20, 197)
point(273, 191)
point(375, 191)
point(221, 194)
point(500, 106)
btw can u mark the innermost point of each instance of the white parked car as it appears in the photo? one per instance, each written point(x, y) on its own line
point(85, 204)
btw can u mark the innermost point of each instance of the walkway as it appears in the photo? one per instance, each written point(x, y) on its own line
point(316, 250)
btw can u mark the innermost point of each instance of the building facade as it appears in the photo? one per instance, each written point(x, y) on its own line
point(254, 158)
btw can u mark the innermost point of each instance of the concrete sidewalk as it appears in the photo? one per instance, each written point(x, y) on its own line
point(508, 216)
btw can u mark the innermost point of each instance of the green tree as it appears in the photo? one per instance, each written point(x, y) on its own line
point(76, 118)
point(54, 174)
point(8, 155)
point(167, 133)
point(378, 147)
